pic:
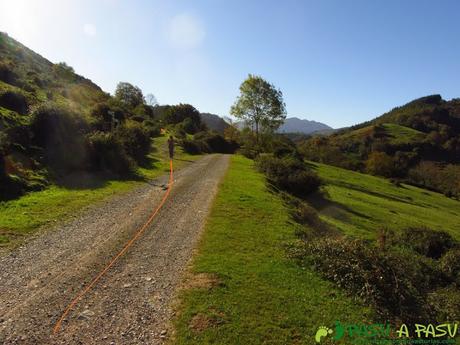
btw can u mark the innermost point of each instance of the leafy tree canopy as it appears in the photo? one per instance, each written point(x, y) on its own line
point(259, 104)
point(129, 94)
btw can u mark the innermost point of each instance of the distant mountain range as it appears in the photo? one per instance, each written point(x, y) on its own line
point(296, 125)
point(291, 125)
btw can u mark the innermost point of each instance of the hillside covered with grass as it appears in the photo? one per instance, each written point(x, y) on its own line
point(417, 143)
point(361, 205)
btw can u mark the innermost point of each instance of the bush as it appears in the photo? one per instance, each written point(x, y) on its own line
point(381, 164)
point(106, 153)
point(60, 132)
point(11, 186)
point(393, 282)
point(189, 126)
point(215, 142)
point(425, 174)
point(250, 152)
point(445, 303)
point(178, 113)
point(194, 147)
point(15, 101)
point(153, 128)
point(303, 214)
point(434, 176)
point(205, 142)
point(135, 139)
point(425, 241)
point(107, 116)
point(7, 74)
point(450, 264)
point(129, 95)
point(289, 174)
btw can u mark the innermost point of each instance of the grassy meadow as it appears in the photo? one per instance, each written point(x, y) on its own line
point(360, 204)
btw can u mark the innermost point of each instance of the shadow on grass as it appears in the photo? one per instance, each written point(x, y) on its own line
point(148, 162)
point(406, 200)
point(324, 205)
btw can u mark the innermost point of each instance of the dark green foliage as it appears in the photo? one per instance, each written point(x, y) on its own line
point(106, 153)
point(289, 174)
point(60, 133)
point(438, 177)
point(216, 142)
point(194, 147)
point(381, 164)
point(179, 113)
point(7, 74)
point(409, 277)
point(396, 282)
point(143, 112)
point(205, 142)
point(425, 241)
point(15, 101)
point(190, 126)
point(450, 264)
point(11, 186)
point(107, 115)
point(153, 128)
point(129, 95)
point(135, 139)
point(445, 303)
point(325, 150)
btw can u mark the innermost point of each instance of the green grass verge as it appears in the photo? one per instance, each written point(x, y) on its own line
point(264, 297)
point(360, 204)
point(25, 215)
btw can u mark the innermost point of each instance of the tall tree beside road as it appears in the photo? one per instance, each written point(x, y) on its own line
point(260, 104)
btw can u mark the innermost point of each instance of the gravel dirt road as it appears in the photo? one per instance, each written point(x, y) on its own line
point(131, 302)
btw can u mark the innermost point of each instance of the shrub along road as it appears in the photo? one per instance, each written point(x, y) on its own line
point(130, 304)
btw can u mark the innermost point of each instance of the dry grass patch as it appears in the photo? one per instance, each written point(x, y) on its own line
point(201, 281)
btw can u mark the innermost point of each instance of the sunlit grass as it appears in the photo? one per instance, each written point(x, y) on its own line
point(360, 204)
point(263, 297)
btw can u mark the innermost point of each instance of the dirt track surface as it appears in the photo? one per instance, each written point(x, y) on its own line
point(131, 303)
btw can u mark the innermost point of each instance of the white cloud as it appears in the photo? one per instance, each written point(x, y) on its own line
point(186, 31)
point(89, 29)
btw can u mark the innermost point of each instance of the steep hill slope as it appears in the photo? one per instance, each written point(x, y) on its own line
point(214, 122)
point(29, 74)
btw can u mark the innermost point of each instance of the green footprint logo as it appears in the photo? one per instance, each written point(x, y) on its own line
point(322, 332)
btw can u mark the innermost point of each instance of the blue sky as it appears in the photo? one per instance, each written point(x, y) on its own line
point(338, 62)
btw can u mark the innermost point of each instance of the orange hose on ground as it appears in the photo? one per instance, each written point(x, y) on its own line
point(88, 287)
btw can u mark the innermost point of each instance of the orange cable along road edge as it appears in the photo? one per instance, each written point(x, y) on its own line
point(139, 232)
